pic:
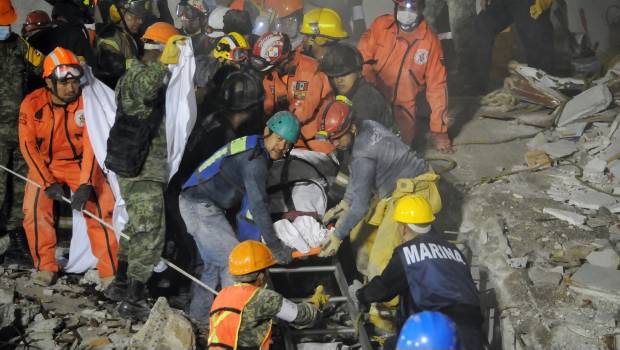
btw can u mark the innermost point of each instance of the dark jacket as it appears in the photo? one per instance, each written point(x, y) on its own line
point(369, 103)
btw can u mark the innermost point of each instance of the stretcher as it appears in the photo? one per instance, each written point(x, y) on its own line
point(310, 267)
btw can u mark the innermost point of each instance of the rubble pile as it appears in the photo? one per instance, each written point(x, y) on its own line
point(69, 315)
point(547, 231)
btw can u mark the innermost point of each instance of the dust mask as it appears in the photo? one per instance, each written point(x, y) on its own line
point(5, 32)
point(407, 18)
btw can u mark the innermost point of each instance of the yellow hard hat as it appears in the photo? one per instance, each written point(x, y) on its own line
point(324, 24)
point(228, 43)
point(115, 16)
point(249, 256)
point(412, 209)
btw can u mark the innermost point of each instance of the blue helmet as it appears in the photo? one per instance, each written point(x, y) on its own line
point(428, 330)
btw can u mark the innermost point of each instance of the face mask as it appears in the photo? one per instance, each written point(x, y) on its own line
point(5, 32)
point(406, 18)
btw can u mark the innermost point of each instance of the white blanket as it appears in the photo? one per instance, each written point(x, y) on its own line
point(100, 113)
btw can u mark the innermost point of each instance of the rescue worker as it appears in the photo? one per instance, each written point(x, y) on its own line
point(194, 16)
point(137, 153)
point(219, 184)
point(428, 273)
point(292, 82)
point(238, 102)
point(117, 43)
point(408, 59)
point(54, 141)
point(19, 61)
point(343, 65)
point(428, 330)
point(321, 27)
point(36, 21)
point(70, 17)
point(379, 159)
point(242, 314)
point(274, 15)
point(532, 21)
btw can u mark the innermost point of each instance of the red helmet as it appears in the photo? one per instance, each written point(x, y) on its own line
point(36, 20)
point(271, 49)
point(336, 118)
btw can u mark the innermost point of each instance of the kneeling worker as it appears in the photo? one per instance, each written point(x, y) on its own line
point(241, 315)
point(428, 273)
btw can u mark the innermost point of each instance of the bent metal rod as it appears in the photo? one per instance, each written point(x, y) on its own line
point(94, 217)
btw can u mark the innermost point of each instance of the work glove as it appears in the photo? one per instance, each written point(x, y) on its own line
point(329, 247)
point(442, 142)
point(353, 293)
point(319, 298)
point(81, 196)
point(335, 213)
point(172, 51)
point(283, 254)
point(55, 191)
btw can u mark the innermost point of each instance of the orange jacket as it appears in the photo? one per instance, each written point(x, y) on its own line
point(225, 319)
point(405, 65)
point(300, 91)
point(50, 133)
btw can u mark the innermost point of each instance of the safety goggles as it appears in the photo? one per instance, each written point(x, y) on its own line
point(185, 11)
point(65, 72)
point(409, 6)
point(260, 63)
point(288, 25)
point(239, 54)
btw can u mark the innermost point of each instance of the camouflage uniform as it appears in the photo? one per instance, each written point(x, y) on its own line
point(15, 69)
point(144, 194)
point(261, 309)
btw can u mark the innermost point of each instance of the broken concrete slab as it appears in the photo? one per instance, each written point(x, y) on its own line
point(165, 328)
point(587, 103)
point(543, 276)
point(559, 149)
point(532, 92)
point(604, 258)
point(573, 130)
point(518, 263)
point(597, 281)
point(565, 215)
point(594, 167)
point(590, 199)
point(537, 159)
point(537, 141)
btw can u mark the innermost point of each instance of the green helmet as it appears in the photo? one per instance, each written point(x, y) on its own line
point(284, 124)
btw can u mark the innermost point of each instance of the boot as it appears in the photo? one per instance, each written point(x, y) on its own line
point(134, 304)
point(117, 290)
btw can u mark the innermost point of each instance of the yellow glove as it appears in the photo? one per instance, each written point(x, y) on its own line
point(336, 212)
point(330, 245)
point(319, 298)
point(172, 51)
point(539, 7)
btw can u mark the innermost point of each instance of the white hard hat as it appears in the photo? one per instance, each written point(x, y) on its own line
point(216, 21)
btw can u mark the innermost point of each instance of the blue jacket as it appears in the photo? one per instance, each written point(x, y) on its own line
point(230, 173)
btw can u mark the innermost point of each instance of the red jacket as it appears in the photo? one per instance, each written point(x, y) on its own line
point(406, 64)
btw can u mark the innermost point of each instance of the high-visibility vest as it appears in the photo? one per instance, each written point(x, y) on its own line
point(210, 167)
point(226, 315)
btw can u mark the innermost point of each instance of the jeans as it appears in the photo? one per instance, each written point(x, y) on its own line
point(215, 240)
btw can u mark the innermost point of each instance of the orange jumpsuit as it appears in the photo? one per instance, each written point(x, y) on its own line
point(404, 65)
point(301, 91)
point(55, 144)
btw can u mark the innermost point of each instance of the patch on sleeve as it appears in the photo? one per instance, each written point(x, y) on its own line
point(79, 118)
point(288, 311)
point(421, 56)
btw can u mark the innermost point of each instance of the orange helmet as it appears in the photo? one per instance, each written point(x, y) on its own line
point(62, 64)
point(283, 8)
point(160, 32)
point(7, 13)
point(248, 257)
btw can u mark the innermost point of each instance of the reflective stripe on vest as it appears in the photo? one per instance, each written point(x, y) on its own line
point(226, 315)
point(211, 166)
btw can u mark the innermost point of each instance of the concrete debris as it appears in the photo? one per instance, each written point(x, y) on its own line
point(598, 221)
point(600, 243)
point(590, 199)
point(559, 149)
point(532, 92)
point(568, 216)
point(542, 78)
point(166, 328)
point(587, 103)
point(91, 277)
point(614, 171)
point(537, 159)
point(594, 167)
point(573, 130)
point(518, 263)
point(537, 141)
point(48, 292)
point(544, 276)
point(604, 258)
point(597, 281)
point(99, 315)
